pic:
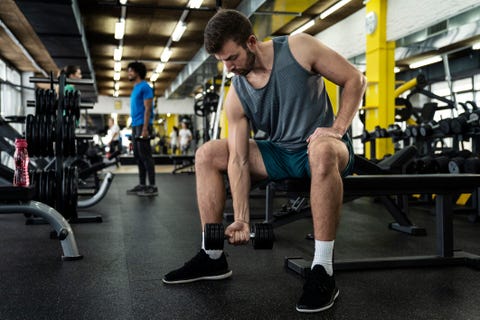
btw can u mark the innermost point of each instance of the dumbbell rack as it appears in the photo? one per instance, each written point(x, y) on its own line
point(59, 146)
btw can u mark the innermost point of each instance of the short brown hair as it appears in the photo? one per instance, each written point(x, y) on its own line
point(226, 25)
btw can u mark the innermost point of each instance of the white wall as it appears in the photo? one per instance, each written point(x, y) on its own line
point(404, 17)
point(107, 105)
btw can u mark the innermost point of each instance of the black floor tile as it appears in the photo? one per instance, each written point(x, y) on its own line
point(141, 239)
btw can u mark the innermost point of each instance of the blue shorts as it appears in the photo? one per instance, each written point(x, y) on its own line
point(281, 163)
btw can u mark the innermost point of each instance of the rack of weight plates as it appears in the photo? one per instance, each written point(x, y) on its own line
point(50, 134)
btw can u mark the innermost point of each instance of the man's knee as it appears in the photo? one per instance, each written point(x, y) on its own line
point(212, 153)
point(324, 155)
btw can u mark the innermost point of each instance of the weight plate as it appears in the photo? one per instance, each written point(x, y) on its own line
point(264, 236)
point(72, 144)
point(29, 133)
point(214, 236)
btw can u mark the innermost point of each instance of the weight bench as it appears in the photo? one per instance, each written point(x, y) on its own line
point(182, 162)
point(390, 165)
point(443, 185)
point(19, 200)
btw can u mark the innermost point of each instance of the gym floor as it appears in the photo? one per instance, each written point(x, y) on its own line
point(141, 239)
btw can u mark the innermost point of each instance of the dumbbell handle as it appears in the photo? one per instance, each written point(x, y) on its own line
point(143, 138)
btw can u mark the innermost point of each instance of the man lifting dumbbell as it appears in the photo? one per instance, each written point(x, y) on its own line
point(278, 87)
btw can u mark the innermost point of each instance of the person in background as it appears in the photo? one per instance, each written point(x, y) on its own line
point(141, 101)
point(174, 140)
point(185, 138)
point(113, 136)
point(72, 72)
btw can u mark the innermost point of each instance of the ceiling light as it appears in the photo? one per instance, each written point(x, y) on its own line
point(117, 53)
point(304, 27)
point(194, 4)
point(179, 30)
point(120, 29)
point(117, 86)
point(117, 66)
point(154, 77)
point(115, 93)
point(116, 76)
point(476, 46)
point(333, 8)
point(425, 62)
point(160, 67)
point(396, 69)
point(123, 2)
point(165, 55)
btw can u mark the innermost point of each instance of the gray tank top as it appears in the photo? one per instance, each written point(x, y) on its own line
point(291, 105)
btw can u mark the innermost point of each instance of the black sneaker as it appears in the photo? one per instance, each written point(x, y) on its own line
point(136, 189)
point(148, 191)
point(200, 267)
point(319, 291)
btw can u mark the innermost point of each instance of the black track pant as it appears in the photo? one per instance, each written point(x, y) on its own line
point(142, 152)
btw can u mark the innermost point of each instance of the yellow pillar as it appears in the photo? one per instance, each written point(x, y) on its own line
point(223, 118)
point(380, 57)
point(172, 121)
point(332, 90)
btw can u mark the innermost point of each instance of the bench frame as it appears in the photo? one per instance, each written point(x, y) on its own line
point(444, 186)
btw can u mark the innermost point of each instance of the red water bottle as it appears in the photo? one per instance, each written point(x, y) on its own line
point(21, 178)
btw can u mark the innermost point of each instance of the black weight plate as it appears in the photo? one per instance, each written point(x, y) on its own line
point(35, 136)
point(73, 144)
point(76, 104)
point(45, 194)
point(62, 205)
point(48, 136)
point(29, 133)
point(64, 136)
point(37, 99)
point(214, 236)
point(264, 236)
point(41, 136)
point(73, 183)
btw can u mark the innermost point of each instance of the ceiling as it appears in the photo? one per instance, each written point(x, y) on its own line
point(81, 32)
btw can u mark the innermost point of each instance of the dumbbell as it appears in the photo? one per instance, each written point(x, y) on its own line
point(427, 129)
point(262, 236)
point(143, 138)
point(461, 123)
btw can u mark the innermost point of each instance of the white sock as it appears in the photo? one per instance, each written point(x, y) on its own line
point(324, 255)
point(213, 254)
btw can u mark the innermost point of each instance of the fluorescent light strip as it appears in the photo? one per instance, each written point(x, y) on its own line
point(179, 30)
point(307, 25)
point(425, 62)
point(166, 54)
point(154, 77)
point(117, 53)
point(333, 8)
point(116, 86)
point(123, 2)
point(116, 76)
point(160, 67)
point(120, 29)
point(117, 66)
point(194, 4)
point(476, 46)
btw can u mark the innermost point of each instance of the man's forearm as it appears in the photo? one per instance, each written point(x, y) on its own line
point(146, 117)
point(239, 178)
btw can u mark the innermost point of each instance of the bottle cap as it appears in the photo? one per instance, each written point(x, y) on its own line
point(22, 143)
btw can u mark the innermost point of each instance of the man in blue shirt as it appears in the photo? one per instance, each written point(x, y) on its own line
point(142, 118)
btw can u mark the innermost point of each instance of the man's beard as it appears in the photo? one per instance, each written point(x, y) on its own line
point(249, 64)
